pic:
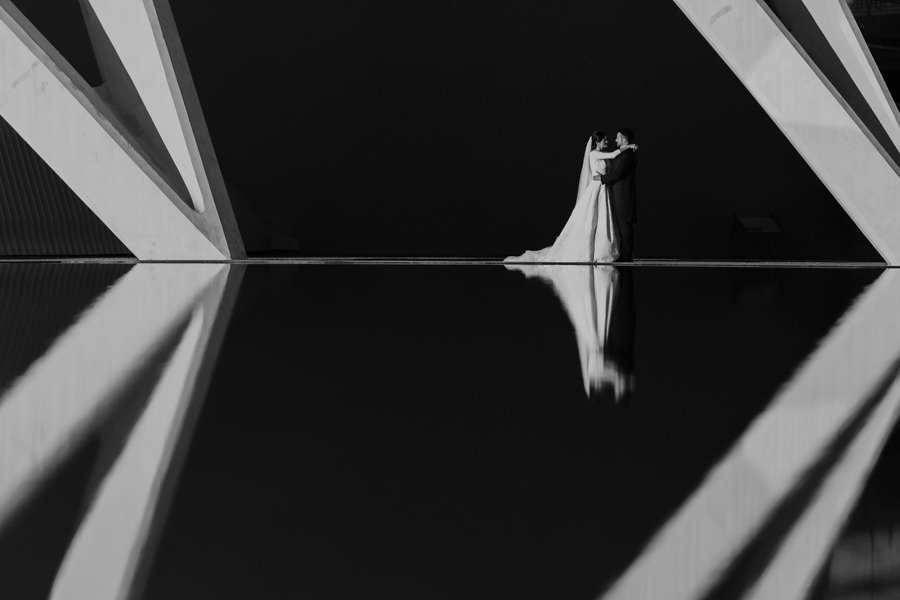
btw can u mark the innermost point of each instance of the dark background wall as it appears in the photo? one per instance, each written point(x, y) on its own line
point(457, 128)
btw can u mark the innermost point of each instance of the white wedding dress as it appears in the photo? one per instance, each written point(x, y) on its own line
point(589, 235)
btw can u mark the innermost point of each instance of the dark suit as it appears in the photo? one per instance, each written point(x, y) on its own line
point(620, 177)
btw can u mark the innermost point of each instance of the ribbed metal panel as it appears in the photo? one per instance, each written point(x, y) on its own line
point(39, 214)
point(40, 301)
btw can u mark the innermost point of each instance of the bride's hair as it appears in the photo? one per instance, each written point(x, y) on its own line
point(597, 136)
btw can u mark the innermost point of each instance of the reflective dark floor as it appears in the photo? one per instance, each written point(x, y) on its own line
point(357, 432)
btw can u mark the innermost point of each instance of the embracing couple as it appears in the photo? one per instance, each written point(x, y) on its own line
point(601, 226)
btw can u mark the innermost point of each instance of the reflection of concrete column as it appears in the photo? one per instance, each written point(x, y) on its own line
point(52, 407)
point(866, 560)
point(110, 549)
point(833, 389)
point(810, 111)
point(805, 549)
point(83, 139)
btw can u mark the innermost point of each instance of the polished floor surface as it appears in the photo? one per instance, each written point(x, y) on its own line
point(348, 432)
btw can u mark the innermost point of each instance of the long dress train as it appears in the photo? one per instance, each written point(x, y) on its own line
point(589, 236)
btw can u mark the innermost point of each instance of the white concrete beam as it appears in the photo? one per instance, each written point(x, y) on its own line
point(809, 111)
point(76, 133)
point(148, 49)
point(822, 30)
point(839, 26)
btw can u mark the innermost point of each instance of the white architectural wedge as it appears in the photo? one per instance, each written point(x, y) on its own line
point(107, 553)
point(826, 34)
point(839, 27)
point(799, 560)
point(138, 40)
point(809, 111)
point(696, 546)
point(104, 555)
point(79, 136)
point(47, 411)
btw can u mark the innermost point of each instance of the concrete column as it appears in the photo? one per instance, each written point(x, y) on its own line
point(822, 29)
point(80, 137)
point(839, 26)
point(139, 52)
point(809, 110)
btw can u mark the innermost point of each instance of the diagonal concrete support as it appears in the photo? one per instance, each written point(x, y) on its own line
point(824, 33)
point(809, 111)
point(138, 48)
point(68, 124)
point(839, 27)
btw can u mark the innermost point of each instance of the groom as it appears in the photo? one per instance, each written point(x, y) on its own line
point(622, 193)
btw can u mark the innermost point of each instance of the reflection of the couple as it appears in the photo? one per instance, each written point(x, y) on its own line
point(600, 303)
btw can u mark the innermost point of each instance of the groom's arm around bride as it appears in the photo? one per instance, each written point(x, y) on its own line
point(620, 178)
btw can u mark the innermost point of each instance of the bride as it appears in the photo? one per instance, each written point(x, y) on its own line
point(589, 235)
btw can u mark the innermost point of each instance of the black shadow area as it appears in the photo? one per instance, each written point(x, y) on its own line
point(456, 129)
point(424, 432)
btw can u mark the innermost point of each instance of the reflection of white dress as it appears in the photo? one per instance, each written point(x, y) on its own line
point(589, 296)
point(589, 235)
